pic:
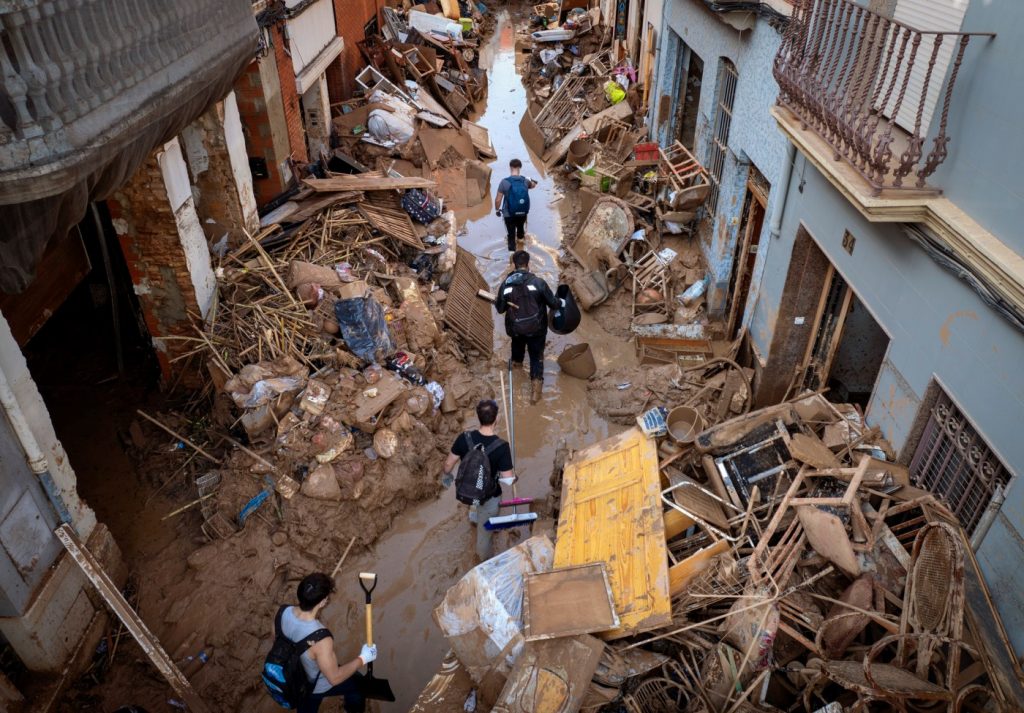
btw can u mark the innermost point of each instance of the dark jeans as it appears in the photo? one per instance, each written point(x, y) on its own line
point(535, 345)
point(349, 688)
point(515, 227)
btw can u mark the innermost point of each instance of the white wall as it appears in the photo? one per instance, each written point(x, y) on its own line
point(238, 156)
point(310, 33)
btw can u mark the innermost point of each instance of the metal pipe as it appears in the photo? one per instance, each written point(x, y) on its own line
point(989, 516)
point(779, 207)
point(33, 453)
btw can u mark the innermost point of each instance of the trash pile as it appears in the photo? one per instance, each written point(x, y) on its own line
point(779, 560)
point(421, 82)
point(638, 204)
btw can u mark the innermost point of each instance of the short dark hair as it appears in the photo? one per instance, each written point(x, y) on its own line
point(520, 258)
point(313, 589)
point(515, 163)
point(487, 412)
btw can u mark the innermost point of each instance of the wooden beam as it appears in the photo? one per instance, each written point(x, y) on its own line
point(363, 183)
point(680, 575)
point(676, 523)
point(93, 570)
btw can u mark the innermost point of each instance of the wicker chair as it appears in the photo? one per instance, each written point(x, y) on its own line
point(657, 695)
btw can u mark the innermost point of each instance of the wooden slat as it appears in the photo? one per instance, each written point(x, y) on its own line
point(395, 223)
point(680, 574)
point(611, 513)
point(362, 183)
point(93, 570)
point(464, 313)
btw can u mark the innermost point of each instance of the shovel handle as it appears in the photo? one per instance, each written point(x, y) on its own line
point(369, 624)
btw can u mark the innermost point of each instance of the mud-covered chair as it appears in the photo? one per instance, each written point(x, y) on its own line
point(922, 662)
point(657, 695)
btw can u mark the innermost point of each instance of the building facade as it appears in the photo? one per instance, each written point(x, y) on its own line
point(896, 279)
point(713, 92)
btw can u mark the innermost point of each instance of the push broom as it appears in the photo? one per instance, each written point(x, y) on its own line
point(516, 519)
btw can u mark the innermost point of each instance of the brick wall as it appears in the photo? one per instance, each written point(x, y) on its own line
point(148, 234)
point(252, 108)
point(289, 96)
point(351, 16)
point(213, 181)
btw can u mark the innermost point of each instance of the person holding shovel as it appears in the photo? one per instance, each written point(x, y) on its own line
point(485, 463)
point(319, 661)
point(512, 203)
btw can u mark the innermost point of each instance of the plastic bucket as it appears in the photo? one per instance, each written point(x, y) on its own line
point(684, 423)
point(577, 360)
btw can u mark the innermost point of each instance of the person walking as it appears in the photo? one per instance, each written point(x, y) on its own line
point(485, 461)
point(512, 203)
point(524, 299)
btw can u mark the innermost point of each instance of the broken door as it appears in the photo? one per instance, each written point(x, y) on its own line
point(611, 513)
point(828, 329)
point(746, 250)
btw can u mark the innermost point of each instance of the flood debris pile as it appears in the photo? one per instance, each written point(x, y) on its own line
point(777, 561)
point(410, 115)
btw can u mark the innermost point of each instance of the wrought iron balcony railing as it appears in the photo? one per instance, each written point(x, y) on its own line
point(75, 73)
point(870, 86)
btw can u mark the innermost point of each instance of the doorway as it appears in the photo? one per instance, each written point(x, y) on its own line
point(752, 222)
point(848, 345)
point(691, 76)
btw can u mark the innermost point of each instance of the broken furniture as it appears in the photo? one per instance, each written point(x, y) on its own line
point(611, 513)
point(469, 317)
point(597, 247)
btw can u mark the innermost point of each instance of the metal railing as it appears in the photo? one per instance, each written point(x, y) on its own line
point(868, 85)
point(70, 70)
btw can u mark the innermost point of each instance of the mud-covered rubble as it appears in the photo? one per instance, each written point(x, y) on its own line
point(806, 573)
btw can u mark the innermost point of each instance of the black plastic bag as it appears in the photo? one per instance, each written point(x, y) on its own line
point(564, 320)
point(364, 329)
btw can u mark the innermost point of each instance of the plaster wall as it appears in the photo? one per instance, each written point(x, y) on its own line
point(234, 138)
point(754, 137)
point(940, 331)
point(310, 32)
point(982, 174)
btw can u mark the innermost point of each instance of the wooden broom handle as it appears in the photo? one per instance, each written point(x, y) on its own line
point(369, 624)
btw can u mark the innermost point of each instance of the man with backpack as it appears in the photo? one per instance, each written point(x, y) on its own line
point(524, 299)
point(485, 460)
point(513, 203)
point(302, 668)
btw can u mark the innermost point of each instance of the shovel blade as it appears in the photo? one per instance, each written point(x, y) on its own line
point(377, 689)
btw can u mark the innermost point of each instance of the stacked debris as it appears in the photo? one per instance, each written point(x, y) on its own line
point(779, 560)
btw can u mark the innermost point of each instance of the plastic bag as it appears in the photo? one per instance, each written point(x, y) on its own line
point(613, 92)
point(364, 329)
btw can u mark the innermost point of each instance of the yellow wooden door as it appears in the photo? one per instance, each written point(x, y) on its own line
point(611, 513)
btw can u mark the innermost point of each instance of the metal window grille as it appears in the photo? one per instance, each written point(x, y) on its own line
point(727, 78)
point(953, 462)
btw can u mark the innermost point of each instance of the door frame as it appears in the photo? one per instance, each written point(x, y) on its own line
point(759, 198)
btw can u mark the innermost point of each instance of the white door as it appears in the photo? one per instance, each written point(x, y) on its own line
point(931, 16)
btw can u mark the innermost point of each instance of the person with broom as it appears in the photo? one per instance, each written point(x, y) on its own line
point(485, 462)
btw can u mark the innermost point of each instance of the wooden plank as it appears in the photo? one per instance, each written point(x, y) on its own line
point(679, 575)
point(676, 523)
point(480, 137)
point(149, 644)
point(364, 183)
point(311, 206)
point(611, 513)
point(394, 223)
point(551, 676)
point(567, 602)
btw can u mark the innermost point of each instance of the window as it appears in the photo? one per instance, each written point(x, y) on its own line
point(723, 121)
point(953, 462)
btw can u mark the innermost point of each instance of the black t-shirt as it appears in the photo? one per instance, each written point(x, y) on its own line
point(500, 457)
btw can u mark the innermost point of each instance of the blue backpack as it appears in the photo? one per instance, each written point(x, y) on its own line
point(518, 196)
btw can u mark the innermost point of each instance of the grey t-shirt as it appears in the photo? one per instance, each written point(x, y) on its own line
point(295, 628)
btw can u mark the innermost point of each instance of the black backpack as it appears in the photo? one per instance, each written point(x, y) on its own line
point(527, 317)
point(283, 675)
point(475, 482)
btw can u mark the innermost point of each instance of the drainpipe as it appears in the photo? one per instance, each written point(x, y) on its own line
point(988, 517)
point(775, 228)
point(33, 453)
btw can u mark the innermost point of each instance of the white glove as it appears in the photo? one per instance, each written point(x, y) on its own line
point(562, 301)
point(368, 653)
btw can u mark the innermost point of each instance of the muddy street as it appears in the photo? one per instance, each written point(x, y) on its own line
point(429, 547)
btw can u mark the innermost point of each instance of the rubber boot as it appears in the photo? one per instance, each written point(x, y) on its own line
point(520, 243)
point(538, 387)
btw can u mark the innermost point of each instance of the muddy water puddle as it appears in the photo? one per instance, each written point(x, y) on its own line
point(431, 546)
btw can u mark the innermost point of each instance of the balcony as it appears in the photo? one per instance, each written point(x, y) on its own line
point(870, 89)
point(88, 88)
